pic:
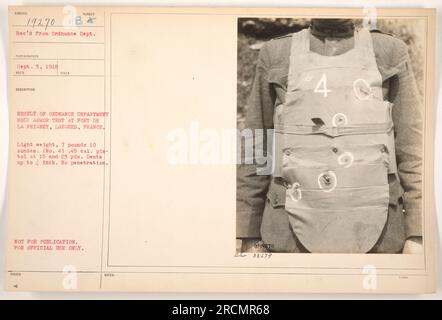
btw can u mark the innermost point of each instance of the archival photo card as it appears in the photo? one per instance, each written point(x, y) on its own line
point(221, 149)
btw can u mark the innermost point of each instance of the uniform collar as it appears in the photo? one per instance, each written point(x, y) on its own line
point(332, 28)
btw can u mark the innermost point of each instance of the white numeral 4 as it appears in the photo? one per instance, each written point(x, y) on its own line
point(321, 87)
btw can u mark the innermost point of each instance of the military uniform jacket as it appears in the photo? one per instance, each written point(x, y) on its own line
point(398, 86)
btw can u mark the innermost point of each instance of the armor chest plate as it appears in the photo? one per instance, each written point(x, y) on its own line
point(334, 146)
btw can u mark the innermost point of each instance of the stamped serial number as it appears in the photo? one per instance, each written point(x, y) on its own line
point(238, 309)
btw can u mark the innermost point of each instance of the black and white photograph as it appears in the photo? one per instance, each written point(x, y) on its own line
point(331, 115)
point(234, 151)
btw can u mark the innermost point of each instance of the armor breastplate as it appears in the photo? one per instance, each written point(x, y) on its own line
point(334, 147)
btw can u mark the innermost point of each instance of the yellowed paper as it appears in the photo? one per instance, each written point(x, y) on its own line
point(102, 198)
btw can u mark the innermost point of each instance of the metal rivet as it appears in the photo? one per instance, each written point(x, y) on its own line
point(339, 119)
point(362, 89)
point(326, 179)
point(295, 192)
point(346, 159)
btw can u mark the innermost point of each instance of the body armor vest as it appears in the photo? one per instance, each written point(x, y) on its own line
point(334, 147)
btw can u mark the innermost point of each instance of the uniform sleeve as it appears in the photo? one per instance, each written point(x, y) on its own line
point(407, 118)
point(252, 187)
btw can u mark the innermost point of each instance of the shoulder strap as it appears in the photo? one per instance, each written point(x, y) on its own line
point(364, 41)
point(300, 42)
point(300, 45)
